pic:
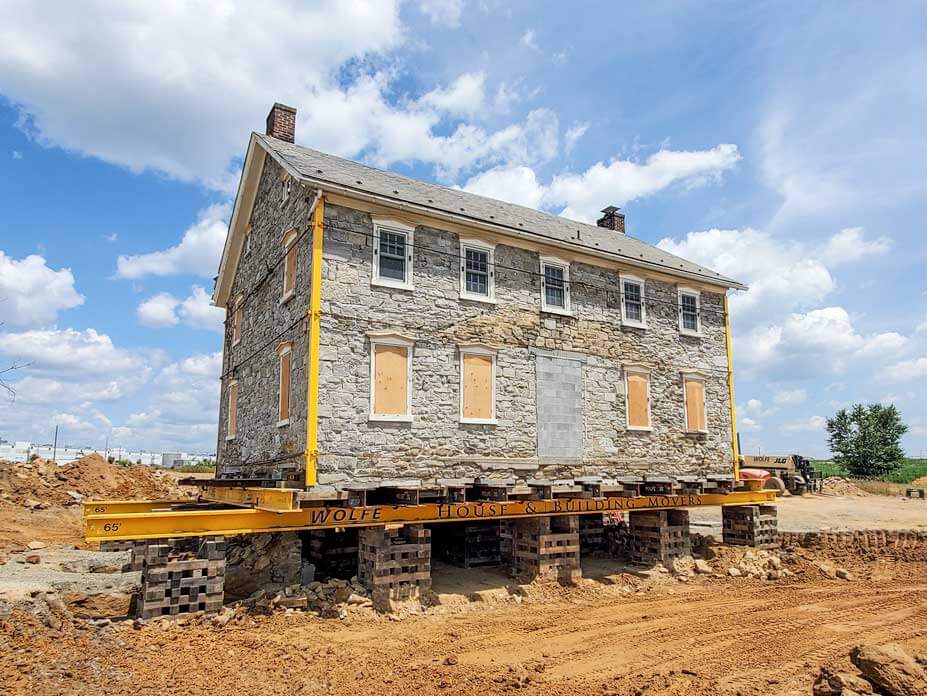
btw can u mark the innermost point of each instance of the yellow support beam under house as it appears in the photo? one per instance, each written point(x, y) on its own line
point(315, 323)
point(187, 523)
point(730, 387)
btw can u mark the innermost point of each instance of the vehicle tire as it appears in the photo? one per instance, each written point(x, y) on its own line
point(774, 484)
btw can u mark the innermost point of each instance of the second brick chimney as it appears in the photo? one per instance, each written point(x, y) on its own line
point(612, 219)
point(281, 122)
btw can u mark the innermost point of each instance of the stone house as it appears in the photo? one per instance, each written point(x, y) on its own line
point(458, 336)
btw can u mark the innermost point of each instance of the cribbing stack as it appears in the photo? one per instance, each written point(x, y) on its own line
point(544, 520)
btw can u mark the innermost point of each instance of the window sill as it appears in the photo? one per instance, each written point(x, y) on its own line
point(696, 433)
point(478, 298)
point(559, 311)
point(389, 419)
point(392, 284)
point(691, 334)
point(633, 324)
point(479, 421)
point(640, 429)
point(229, 438)
point(281, 423)
point(287, 296)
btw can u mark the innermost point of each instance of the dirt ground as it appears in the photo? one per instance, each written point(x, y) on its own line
point(619, 631)
point(719, 636)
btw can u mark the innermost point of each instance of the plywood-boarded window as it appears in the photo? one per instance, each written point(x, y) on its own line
point(286, 357)
point(694, 393)
point(637, 384)
point(478, 385)
point(236, 319)
point(289, 264)
point(391, 362)
point(232, 425)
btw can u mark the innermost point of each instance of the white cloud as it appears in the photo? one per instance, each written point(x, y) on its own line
point(158, 311)
point(443, 12)
point(583, 195)
point(790, 397)
point(181, 412)
point(17, 155)
point(32, 294)
point(780, 273)
point(513, 184)
point(849, 245)
point(620, 181)
point(168, 90)
point(111, 237)
point(465, 96)
point(198, 253)
point(196, 311)
point(906, 370)
point(573, 134)
point(529, 40)
point(813, 424)
point(81, 352)
point(922, 327)
point(824, 337)
point(748, 424)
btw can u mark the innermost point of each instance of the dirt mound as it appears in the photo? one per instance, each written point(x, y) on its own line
point(922, 481)
point(837, 485)
point(42, 483)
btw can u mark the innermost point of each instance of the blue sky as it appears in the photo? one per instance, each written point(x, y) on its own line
point(780, 144)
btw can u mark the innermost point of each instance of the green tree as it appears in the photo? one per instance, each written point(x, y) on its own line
point(866, 440)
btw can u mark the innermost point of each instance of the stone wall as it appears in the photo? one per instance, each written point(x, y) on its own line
point(436, 444)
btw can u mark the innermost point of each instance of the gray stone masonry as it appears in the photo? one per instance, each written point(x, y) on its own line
point(531, 348)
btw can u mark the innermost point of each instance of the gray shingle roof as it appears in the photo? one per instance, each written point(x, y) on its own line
point(321, 168)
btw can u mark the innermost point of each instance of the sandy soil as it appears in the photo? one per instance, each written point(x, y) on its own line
point(720, 636)
point(814, 513)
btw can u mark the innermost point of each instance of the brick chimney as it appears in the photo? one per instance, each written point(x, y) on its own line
point(612, 219)
point(281, 122)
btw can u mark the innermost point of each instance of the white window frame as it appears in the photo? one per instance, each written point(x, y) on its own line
point(246, 244)
point(287, 183)
point(490, 251)
point(284, 349)
point(640, 370)
point(238, 317)
point(694, 377)
point(228, 416)
point(622, 279)
point(567, 309)
point(698, 310)
point(399, 228)
point(289, 239)
point(391, 339)
point(476, 349)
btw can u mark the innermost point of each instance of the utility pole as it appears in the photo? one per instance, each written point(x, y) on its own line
point(55, 446)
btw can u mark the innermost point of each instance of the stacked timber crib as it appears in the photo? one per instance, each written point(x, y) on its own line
point(750, 525)
point(395, 563)
point(182, 576)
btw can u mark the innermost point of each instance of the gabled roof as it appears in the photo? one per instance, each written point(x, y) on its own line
point(328, 172)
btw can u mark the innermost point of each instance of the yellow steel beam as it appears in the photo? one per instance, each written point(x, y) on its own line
point(269, 499)
point(730, 387)
point(315, 323)
point(156, 525)
point(119, 507)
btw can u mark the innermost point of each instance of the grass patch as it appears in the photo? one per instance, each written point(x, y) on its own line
point(909, 470)
point(195, 468)
point(881, 487)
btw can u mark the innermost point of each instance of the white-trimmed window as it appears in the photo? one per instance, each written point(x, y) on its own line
point(237, 311)
point(232, 423)
point(392, 254)
point(693, 391)
point(555, 285)
point(246, 244)
point(285, 351)
point(285, 195)
point(390, 377)
point(290, 250)
point(477, 384)
point(633, 301)
point(477, 274)
point(637, 397)
point(690, 316)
